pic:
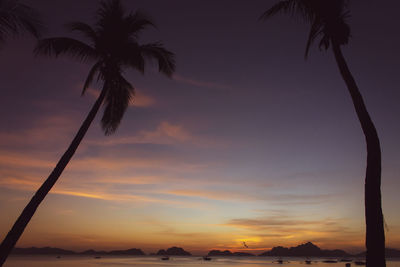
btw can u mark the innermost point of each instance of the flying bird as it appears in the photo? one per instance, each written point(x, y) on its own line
point(244, 244)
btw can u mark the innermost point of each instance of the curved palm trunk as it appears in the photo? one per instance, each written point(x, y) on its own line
point(375, 235)
point(19, 226)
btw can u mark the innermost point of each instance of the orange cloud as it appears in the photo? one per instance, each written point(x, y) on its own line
point(23, 160)
point(17, 183)
point(97, 188)
point(140, 99)
point(26, 160)
point(208, 194)
point(94, 192)
point(165, 133)
point(59, 127)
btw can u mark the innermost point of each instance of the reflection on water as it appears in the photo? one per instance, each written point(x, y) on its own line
point(149, 261)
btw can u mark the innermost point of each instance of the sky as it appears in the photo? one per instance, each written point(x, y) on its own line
point(247, 142)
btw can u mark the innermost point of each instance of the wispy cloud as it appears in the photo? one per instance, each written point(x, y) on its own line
point(298, 199)
point(267, 223)
point(165, 133)
point(275, 229)
point(210, 194)
point(94, 190)
point(61, 129)
point(200, 83)
point(28, 161)
point(58, 127)
point(140, 99)
point(111, 175)
point(250, 193)
point(9, 158)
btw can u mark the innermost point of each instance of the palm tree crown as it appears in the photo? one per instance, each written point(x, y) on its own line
point(16, 17)
point(113, 46)
point(328, 19)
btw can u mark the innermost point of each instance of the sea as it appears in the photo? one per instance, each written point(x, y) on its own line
point(154, 261)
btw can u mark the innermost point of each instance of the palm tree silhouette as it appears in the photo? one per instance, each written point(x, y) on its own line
point(113, 46)
point(16, 18)
point(328, 22)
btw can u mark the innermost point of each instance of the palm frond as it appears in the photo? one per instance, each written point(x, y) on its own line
point(85, 29)
point(344, 28)
point(324, 42)
point(95, 69)
point(16, 18)
point(132, 57)
point(280, 7)
point(165, 58)
point(68, 46)
point(138, 21)
point(327, 19)
point(109, 12)
point(119, 94)
point(316, 29)
point(291, 7)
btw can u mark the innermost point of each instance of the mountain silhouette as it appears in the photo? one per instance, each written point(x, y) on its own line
point(304, 250)
point(173, 251)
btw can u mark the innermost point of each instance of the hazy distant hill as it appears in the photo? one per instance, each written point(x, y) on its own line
point(305, 250)
point(132, 251)
point(42, 251)
point(59, 251)
point(93, 252)
point(228, 253)
point(174, 251)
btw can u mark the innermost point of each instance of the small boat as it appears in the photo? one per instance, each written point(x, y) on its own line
point(308, 262)
point(359, 262)
point(165, 258)
point(206, 258)
point(279, 261)
point(329, 261)
point(97, 257)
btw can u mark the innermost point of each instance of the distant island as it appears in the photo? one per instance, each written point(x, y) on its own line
point(59, 251)
point(42, 251)
point(310, 250)
point(174, 251)
point(304, 250)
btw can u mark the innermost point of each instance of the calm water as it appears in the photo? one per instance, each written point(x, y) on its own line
point(148, 261)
